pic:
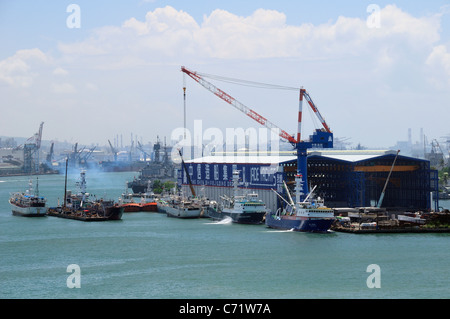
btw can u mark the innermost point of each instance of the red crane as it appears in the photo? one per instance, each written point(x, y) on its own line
point(321, 137)
point(241, 107)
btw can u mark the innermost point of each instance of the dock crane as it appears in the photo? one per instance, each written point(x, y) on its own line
point(113, 150)
point(31, 151)
point(321, 138)
point(141, 148)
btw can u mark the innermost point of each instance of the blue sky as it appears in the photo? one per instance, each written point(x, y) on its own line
point(119, 73)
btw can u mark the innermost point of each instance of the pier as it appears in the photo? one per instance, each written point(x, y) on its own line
point(364, 221)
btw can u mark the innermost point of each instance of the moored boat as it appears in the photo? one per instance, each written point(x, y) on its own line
point(309, 215)
point(148, 200)
point(146, 203)
point(242, 209)
point(28, 203)
point(85, 207)
point(180, 207)
point(127, 202)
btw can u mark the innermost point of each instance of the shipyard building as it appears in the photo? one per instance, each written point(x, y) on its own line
point(342, 178)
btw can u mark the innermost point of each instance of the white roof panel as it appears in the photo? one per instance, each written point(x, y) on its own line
point(348, 156)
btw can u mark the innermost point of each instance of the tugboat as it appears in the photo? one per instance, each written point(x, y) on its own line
point(128, 203)
point(28, 204)
point(83, 207)
point(147, 201)
point(241, 209)
point(310, 215)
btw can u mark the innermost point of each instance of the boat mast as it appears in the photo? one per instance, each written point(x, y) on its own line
point(65, 185)
point(83, 186)
point(298, 188)
point(187, 174)
point(36, 191)
point(235, 183)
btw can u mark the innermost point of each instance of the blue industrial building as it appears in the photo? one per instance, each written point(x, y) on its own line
point(342, 178)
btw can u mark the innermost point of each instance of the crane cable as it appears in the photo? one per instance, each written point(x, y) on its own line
point(248, 83)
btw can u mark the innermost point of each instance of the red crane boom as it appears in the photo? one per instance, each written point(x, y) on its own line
point(241, 107)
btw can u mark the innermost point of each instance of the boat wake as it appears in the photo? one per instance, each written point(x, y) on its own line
point(281, 231)
point(225, 221)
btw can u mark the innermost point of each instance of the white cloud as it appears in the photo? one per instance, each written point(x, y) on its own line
point(169, 35)
point(439, 57)
point(91, 86)
point(137, 63)
point(63, 88)
point(60, 71)
point(17, 70)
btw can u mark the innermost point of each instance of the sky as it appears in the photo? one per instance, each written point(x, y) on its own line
point(102, 69)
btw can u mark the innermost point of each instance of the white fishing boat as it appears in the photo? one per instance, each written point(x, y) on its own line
point(243, 209)
point(182, 208)
point(28, 203)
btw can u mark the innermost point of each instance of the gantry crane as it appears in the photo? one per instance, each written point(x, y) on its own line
point(113, 150)
point(31, 151)
point(321, 138)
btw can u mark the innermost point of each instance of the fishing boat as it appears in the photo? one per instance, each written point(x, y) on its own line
point(181, 206)
point(309, 215)
point(84, 206)
point(28, 203)
point(242, 209)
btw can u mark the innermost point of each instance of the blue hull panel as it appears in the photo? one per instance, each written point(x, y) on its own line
point(303, 225)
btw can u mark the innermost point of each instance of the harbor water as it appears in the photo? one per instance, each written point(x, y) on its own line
point(150, 256)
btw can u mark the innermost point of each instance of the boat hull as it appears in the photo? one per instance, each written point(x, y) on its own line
point(237, 217)
point(29, 211)
point(149, 207)
point(112, 213)
point(318, 225)
point(180, 212)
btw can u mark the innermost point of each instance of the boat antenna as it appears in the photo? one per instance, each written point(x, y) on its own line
point(36, 191)
point(65, 185)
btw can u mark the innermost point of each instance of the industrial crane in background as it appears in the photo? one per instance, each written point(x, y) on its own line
point(144, 153)
point(31, 151)
point(321, 138)
point(113, 150)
